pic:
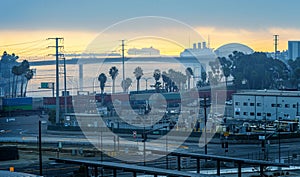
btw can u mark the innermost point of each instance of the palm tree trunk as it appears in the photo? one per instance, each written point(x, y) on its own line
point(12, 85)
point(113, 89)
point(138, 85)
point(102, 97)
point(25, 88)
point(16, 87)
point(22, 84)
point(189, 83)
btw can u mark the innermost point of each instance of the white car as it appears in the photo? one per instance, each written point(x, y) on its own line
point(228, 102)
point(10, 119)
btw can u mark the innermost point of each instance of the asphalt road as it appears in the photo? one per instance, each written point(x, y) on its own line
point(25, 129)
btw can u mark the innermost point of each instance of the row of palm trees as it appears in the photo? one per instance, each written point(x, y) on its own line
point(172, 80)
point(23, 73)
point(14, 75)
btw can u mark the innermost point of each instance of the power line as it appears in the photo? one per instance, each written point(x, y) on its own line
point(22, 43)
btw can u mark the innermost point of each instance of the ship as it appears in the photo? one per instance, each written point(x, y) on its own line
point(201, 51)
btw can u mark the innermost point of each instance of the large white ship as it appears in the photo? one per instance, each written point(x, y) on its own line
point(201, 51)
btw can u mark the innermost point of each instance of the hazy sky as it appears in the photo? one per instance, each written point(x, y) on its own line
point(250, 22)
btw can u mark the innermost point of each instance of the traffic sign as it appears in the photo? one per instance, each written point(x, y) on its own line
point(47, 85)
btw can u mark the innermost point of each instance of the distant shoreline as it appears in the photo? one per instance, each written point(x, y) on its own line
point(119, 59)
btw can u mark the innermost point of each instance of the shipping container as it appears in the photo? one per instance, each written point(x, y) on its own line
point(14, 104)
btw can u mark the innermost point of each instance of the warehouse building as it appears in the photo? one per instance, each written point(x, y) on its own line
point(267, 104)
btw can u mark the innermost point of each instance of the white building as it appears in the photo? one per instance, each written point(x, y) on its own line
point(294, 49)
point(266, 104)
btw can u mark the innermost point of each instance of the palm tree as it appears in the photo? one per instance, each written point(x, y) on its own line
point(17, 71)
point(102, 79)
point(138, 73)
point(156, 76)
point(189, 73)
point(165, 79)
point(23, 69)
point(14, 70)
point(171, 80)
point(113, 72)
point(28, 75)
point(126, 84)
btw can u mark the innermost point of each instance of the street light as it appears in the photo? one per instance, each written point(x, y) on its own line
point(205, 106)
point(94, 84)
point(265, 138)
point(146, 79)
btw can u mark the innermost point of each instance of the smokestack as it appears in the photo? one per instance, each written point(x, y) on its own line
point(194, 46)
point(199, 45)
point(204, 45)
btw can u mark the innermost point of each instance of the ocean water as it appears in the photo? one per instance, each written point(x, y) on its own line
point(91, 72)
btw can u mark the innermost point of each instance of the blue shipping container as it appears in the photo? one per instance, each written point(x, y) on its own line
point(17, 101)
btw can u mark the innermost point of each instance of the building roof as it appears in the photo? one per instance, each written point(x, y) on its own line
point(228, 49)
point(270, 93)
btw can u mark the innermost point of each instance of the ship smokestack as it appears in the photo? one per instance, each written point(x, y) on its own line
point(199, 45)
point(204, 45)
point(194, 46)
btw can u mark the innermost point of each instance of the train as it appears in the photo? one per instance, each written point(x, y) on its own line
point(134, 98)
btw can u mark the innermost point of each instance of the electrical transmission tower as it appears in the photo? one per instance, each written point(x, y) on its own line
point(276, 39)
point(57, 55)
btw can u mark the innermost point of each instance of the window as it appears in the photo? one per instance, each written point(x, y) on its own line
point(269, 114)
point(279, 105)
point(287, 105)
point(237, 113)
point(251, 113)
point(245, 104)
point(294, 105)
point(273, 105)
point(258, 104)
point(245, 113)
point(237, 103)
point(251, 104)
point(258, 114)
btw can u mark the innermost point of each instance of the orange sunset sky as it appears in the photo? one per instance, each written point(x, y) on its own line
point(25, 31)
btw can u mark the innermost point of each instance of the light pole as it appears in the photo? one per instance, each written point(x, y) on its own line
point(94, 84)
point(205, 106)
point(146, 79)
point(265, 139)
point(279, 149)
point(123, 63)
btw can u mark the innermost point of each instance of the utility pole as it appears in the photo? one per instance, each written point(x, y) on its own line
point(123, 63)
point(40, 149)
point(276, 39)
point(57, 54)
point(65, 85)
point(205, 120)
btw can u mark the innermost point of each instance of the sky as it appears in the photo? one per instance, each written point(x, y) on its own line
point(80, 22)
